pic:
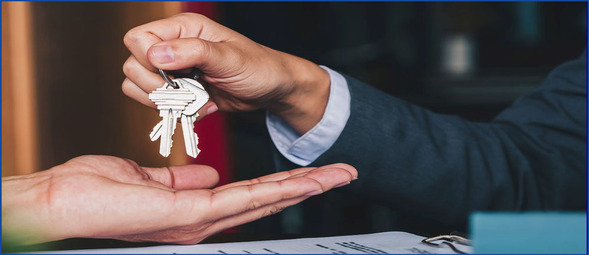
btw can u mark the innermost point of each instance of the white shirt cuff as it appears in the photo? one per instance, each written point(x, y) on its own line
point(302, 150)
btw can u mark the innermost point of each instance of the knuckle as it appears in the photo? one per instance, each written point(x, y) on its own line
point(273, 210)
point(130, 66)
point(127, 67)
point(199, 47)
point(126, 87)
point(189, 16)
point(287, 196)
point(254, 205)
point(201, 50)
point(132, 37)
point(127, 163)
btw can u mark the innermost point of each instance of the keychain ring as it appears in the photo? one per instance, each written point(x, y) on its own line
point(167, 79)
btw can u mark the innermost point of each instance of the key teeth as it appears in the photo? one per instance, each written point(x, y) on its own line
point(155, 133)
point(195, 155)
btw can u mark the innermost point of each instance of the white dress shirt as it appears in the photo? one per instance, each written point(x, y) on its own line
point(302, 150)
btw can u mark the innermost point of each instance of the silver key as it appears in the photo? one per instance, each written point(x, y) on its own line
point(189, 116)
point(170, 102)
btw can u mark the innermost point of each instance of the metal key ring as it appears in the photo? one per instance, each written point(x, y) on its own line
point(167, 79)
point(194, 74)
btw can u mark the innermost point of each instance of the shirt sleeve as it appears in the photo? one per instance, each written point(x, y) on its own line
point(302, 150)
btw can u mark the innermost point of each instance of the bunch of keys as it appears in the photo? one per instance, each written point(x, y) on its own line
point(178, 98)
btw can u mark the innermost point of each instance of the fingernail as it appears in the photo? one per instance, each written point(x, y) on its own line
point(163, 54)
point(313, 193)
point(212, 109)
point(342, 184)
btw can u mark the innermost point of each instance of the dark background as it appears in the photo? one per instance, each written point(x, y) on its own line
point(397, 47)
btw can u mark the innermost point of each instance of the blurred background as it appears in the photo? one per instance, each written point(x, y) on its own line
point(62, 72)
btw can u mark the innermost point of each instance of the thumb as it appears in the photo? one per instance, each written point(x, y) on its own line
point(178, 54)
point(184, 177)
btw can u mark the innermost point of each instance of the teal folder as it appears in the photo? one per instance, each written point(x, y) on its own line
point(529, 232)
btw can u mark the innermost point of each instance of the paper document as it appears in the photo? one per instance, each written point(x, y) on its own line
point(378, 243)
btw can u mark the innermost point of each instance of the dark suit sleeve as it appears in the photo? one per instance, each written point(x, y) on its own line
point(532, 156)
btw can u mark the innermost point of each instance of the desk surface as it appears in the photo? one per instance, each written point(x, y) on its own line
point(89, 243)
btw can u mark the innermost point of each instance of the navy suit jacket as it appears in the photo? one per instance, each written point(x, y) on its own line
point(532, 156)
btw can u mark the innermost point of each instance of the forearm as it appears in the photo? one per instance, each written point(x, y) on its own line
point(444, 167)
point(24, 210)
point(411, 158)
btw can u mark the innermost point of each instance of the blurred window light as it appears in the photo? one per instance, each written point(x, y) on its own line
point(458, 56)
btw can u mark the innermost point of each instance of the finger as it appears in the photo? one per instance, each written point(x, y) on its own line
point(291, 173)
point(147, 80)
point(250, 216)
point(350, 169)
point(184, 177)
point(267, 178)
point(209, 108)
point(138, 41)
point(240, 199)
point(189, 52)
point(135, 92)
point(325, 175)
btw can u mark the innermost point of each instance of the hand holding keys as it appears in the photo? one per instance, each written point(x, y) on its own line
point(178, 98)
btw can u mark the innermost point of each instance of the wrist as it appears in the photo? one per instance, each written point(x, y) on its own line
point(303, 107)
